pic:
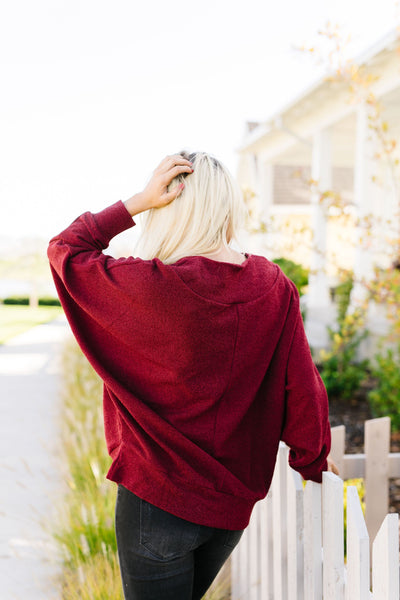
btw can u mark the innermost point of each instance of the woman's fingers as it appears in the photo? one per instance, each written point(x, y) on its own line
point(331, 466)
point(173, 161)
point(156, 191)
point(177, 170)
point(169, 196)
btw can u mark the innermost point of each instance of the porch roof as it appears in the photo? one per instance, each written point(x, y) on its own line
point(316, 95)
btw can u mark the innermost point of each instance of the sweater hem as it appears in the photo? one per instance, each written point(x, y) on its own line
point(200, 505)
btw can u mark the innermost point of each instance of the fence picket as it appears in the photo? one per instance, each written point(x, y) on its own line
point(295, 530)
point(338, 435)
point(266, 562)
point(385, 560)
point(358, 575)
point(377, 447)
point(240, 571)
point(254, 557)
point(279, 524)
point(312, 541)
point(235, 571)
point(333, 538)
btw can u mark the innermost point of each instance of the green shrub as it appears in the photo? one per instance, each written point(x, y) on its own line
point(341, 294)
point(24, 301)
point(384, 399)
point(48, 301)
point(296, 272)
point(341, 373)
point(16, 300)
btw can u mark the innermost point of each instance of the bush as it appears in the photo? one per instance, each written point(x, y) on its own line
point(17, 300)
point(49, 301)
point(341, 294)
point(296, 272)
point(384, 399)
point(24, 301)
point(341, 373)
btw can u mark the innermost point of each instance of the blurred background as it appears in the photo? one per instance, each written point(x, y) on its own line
point(94, 94)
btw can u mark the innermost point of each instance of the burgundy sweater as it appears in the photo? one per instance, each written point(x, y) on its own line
point(205, 366)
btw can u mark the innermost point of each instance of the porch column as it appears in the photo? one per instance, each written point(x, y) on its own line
point(319, 307)
point(365, 192)
point(261, 182)
point(266, 188)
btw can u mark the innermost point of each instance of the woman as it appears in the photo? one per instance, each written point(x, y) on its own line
point(206, 367)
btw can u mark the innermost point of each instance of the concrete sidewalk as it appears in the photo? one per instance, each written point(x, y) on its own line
point(30, 479)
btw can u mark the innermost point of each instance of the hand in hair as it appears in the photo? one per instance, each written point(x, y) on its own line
point(156, 194)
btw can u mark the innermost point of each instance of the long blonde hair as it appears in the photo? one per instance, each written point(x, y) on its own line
point(208, 213)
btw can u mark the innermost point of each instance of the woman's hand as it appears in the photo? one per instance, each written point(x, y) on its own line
point(155, 194)
point(331, 466)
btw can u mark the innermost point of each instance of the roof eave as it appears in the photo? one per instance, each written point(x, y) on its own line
point(389, 39)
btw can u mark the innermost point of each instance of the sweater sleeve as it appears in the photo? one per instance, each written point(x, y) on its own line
point(306, 428)
point(88, 285)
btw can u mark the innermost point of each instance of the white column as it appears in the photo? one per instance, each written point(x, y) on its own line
point(319, 308)
point(266, 188)
point(321, 171)
point(254, 173)
point(365, 191)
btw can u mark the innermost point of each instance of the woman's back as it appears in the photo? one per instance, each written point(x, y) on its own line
point(194, 356)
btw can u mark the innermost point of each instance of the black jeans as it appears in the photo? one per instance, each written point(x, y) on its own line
point(163, 557)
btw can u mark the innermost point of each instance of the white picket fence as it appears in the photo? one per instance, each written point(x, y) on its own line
point(376, 465)
point(293, 548)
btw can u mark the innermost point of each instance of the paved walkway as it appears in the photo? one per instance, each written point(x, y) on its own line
point(30, 480)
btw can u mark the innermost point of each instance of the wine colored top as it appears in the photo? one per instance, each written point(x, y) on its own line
point(206, 367)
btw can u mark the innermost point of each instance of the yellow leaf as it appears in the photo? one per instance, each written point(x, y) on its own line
point(337, 339)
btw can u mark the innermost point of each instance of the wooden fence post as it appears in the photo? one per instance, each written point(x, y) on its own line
point(338, 435)
point(266, 562)
point(333, 538)
point(279, 525)
point(235, 572)
point(254, 556)
point(312, 541)
point(385, 556)
point(377, 448)
point(240, 568)
point(358, 575)
point(295, 526)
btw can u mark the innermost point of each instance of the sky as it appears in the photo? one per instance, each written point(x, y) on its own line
point(95, 93)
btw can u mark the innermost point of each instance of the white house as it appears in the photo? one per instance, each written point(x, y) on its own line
point(327, 137)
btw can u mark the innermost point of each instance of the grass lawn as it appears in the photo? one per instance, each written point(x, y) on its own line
point(16, 319)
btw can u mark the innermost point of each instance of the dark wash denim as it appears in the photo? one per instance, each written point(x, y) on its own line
point(163, 557)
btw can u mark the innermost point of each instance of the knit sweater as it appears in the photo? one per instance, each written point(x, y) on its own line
point(206, 367)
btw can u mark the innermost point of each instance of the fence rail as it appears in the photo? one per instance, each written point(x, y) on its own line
point(376, 465)
point(294, 546)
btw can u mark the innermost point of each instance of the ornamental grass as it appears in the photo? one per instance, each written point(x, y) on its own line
point(85, 524)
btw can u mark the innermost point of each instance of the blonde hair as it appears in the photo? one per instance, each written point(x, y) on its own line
point(208, 213)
